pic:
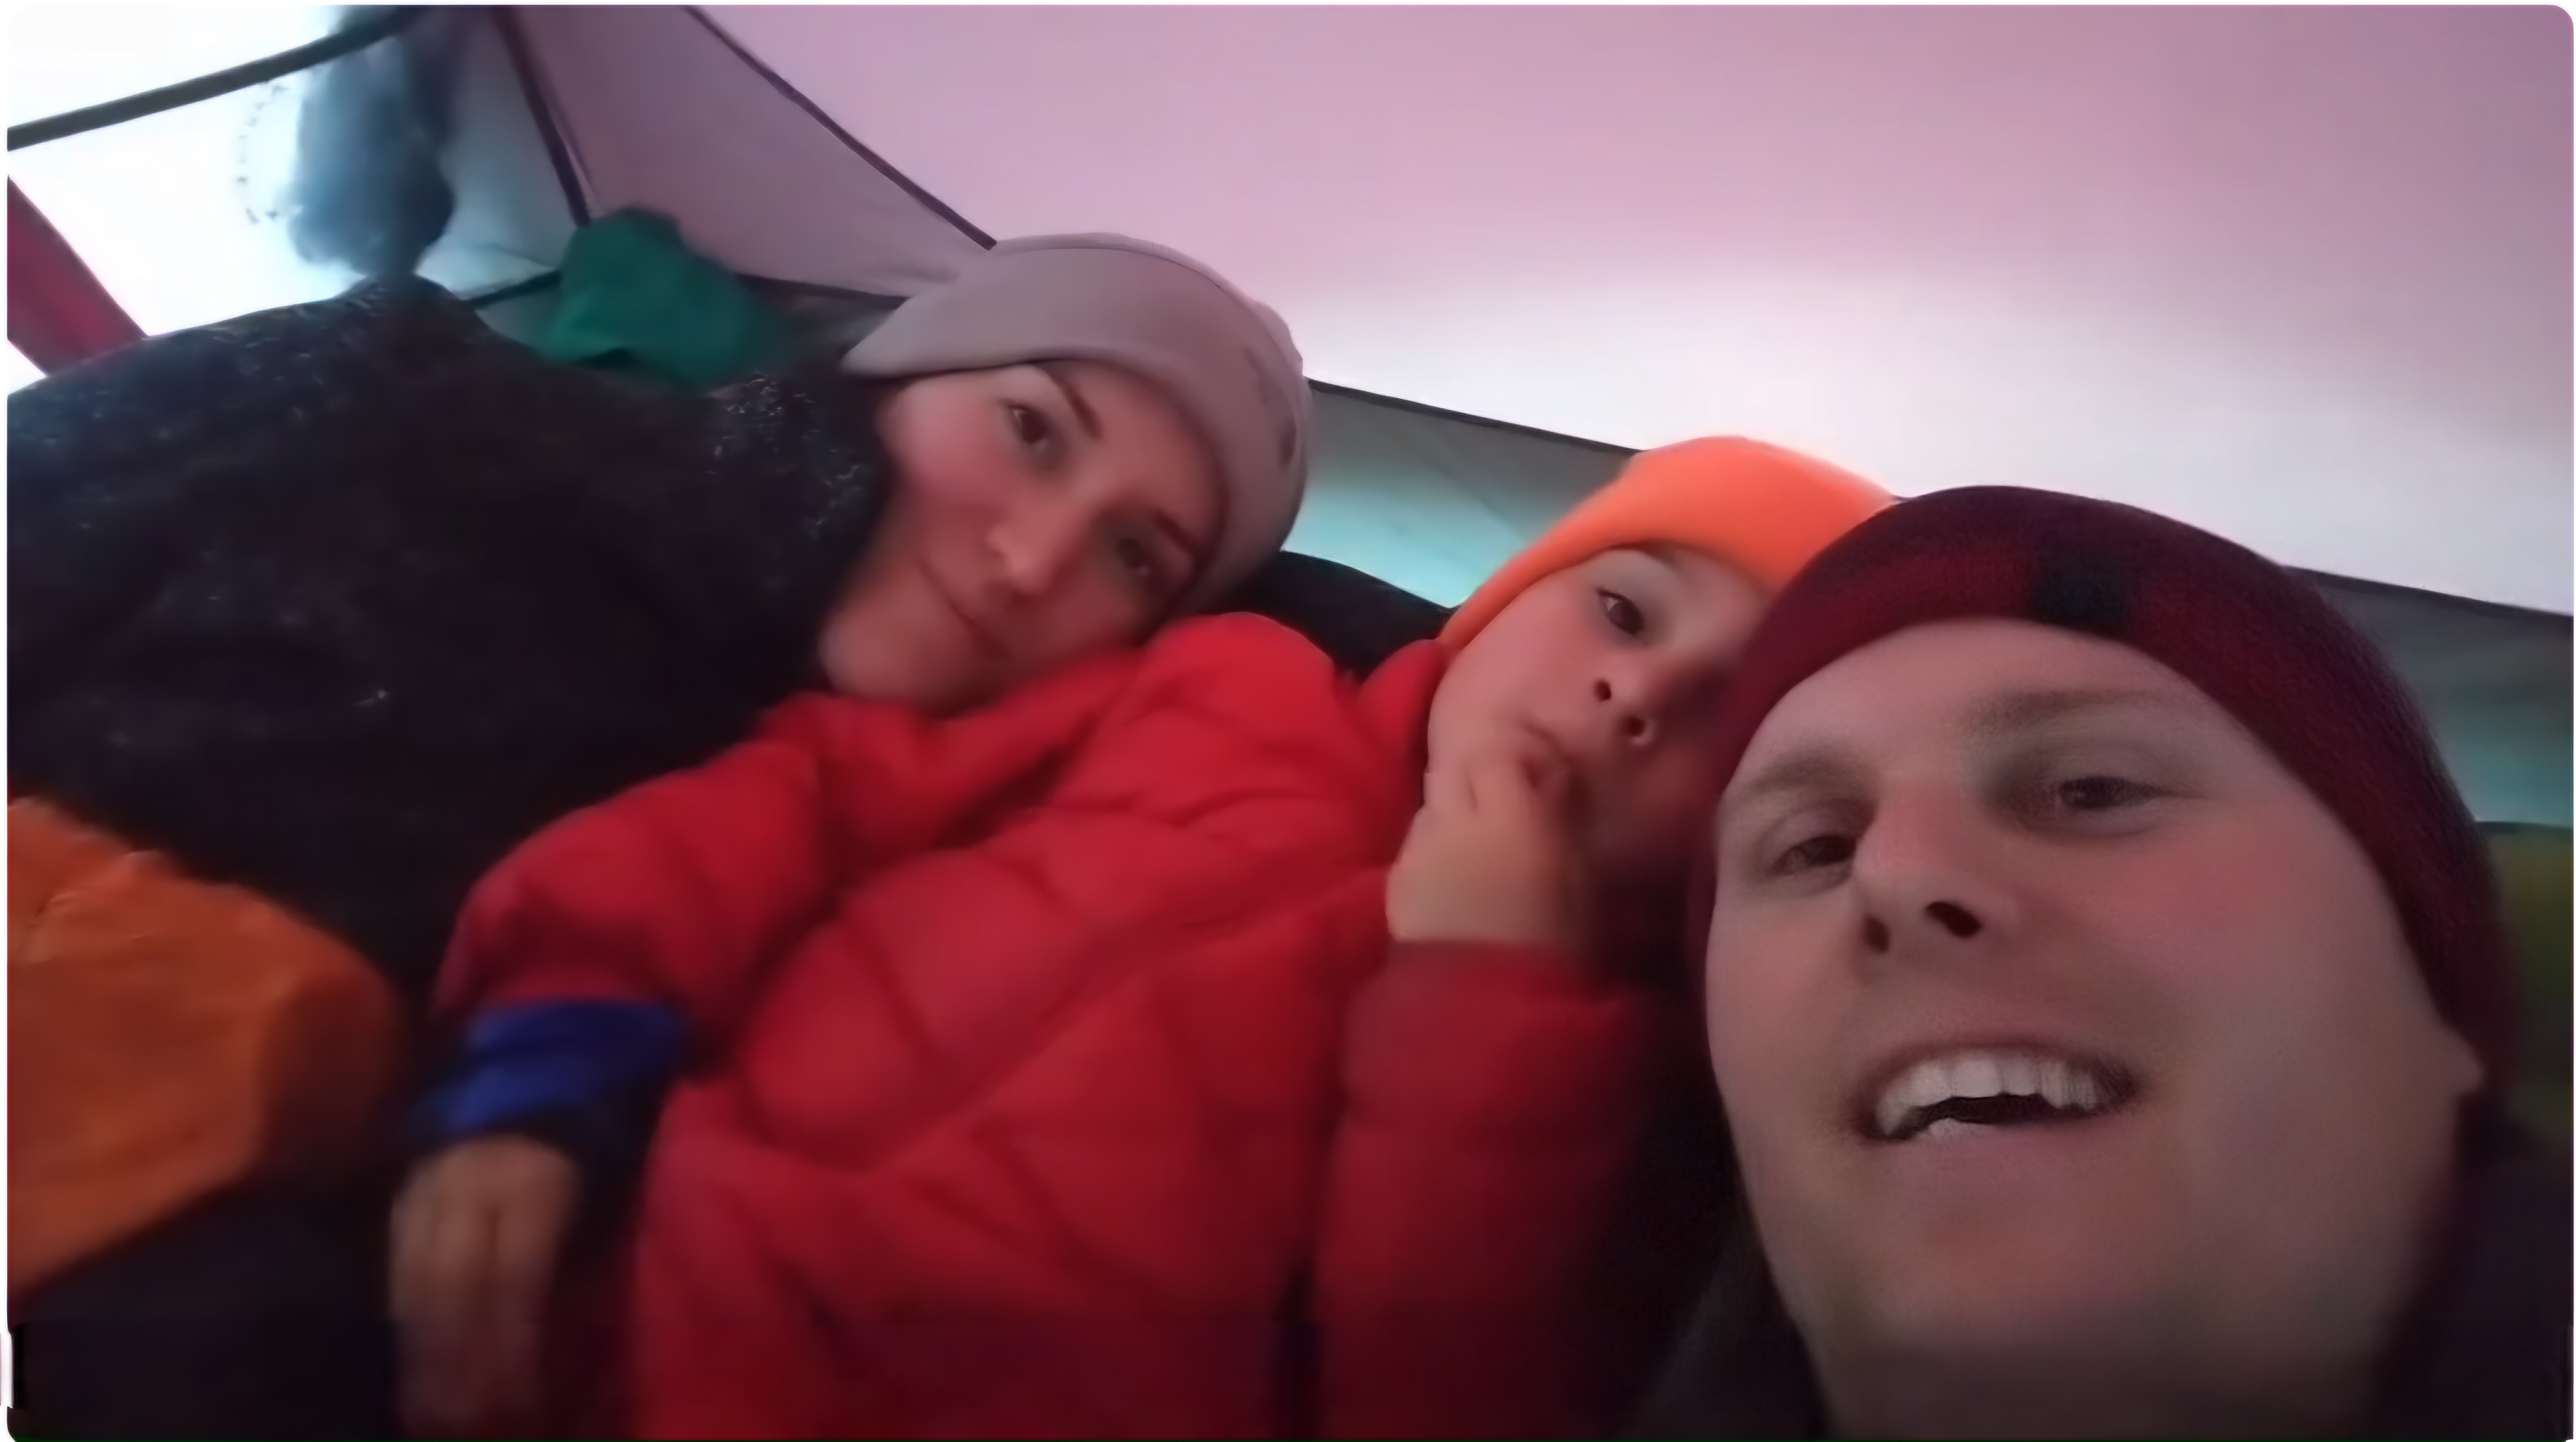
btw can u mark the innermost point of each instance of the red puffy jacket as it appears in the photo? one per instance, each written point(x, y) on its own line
point(1051, 1076)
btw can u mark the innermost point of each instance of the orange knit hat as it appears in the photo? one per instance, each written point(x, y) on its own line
point(1765, 510)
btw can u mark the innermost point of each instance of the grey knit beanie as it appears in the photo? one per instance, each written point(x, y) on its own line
point(1226, 359)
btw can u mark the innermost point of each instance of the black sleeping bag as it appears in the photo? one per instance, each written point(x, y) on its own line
point(341, 602)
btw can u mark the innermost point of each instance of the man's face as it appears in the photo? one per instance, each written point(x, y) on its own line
point(2055, 1019)
point(1040, 514)
point(1611, 669)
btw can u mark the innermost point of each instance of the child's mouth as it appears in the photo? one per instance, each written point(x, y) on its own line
point(1553, 761)
point(1553, 753)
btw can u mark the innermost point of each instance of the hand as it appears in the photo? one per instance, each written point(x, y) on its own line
point(476, 1238)
point(1490, 857)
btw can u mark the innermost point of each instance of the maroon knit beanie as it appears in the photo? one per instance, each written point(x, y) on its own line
point(2254, 638)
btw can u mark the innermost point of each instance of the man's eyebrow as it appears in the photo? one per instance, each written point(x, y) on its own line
point(1082, 411)
point(1826, 768)
point(2015, 711)
point(1816, 768)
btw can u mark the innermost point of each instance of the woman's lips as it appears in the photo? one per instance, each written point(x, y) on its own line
point(977, 631)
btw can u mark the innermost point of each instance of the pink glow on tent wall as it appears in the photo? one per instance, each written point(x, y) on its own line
point(2301, 275)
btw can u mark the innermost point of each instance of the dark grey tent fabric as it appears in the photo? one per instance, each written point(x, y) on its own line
point(1433, 502)
point(2494, 684)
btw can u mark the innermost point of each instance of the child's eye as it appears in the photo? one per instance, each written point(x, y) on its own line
point(1622, 613)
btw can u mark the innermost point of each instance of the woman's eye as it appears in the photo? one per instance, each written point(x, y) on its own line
point(1622, 613)
point(1028, 423)
point(1814, 854)
point(1137, 562)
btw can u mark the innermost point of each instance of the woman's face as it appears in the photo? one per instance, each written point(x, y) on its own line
point(1982, 858)
point(1040, 514)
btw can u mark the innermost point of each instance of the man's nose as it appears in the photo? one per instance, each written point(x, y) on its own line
point(1926, 873)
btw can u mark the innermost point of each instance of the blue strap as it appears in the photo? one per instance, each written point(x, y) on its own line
point(592, 1071)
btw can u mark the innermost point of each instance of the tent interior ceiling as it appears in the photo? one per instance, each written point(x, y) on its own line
point(759, 183)
point(2304, 284)
point(2300, 276)
point(2296, 274)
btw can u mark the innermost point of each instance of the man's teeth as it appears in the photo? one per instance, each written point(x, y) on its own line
point(2066, 1084)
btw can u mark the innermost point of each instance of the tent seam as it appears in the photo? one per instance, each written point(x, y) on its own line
point(933, 203)
point(532, 91)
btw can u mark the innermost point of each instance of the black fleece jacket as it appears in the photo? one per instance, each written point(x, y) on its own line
point(2483, 1353)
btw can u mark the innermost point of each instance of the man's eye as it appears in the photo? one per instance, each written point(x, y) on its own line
point(1622, 613)
point(1814, 854)
point(2095, 794)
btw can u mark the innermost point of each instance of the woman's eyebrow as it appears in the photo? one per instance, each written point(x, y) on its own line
point(1083, 414)
point(1189, 545)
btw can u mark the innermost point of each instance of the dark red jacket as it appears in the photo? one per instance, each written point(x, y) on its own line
point(1049, 1073)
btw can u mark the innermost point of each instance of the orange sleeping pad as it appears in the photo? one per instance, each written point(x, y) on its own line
point(169, 1039)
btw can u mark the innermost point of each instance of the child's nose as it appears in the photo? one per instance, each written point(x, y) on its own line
point(1632, 725)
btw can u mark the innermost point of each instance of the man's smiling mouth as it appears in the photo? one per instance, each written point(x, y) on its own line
point(1942, 1094)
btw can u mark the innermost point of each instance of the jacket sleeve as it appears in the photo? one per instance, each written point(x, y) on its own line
point(1493, 1099)
point(599, 955)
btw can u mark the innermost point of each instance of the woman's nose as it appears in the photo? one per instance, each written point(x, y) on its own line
point(1033, 546)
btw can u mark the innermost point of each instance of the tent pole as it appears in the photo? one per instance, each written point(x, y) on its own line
point(331, 47)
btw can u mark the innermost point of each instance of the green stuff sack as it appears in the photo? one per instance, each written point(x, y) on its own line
point(635, 299)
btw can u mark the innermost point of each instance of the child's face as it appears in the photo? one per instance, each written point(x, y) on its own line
point(1612, 667)
point(1040, 514)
